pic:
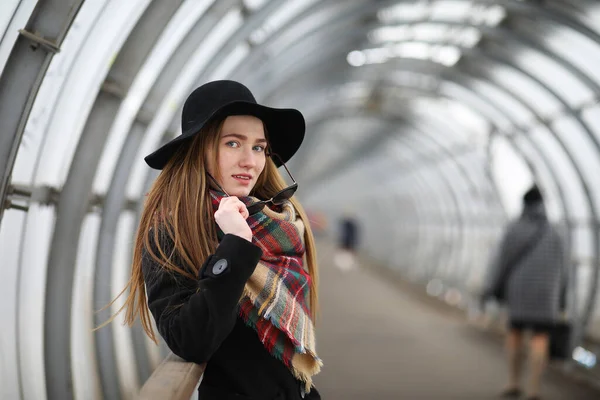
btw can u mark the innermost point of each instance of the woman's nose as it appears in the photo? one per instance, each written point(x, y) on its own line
point(248, 158)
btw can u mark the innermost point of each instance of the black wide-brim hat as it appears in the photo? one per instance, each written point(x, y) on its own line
point(220, 99)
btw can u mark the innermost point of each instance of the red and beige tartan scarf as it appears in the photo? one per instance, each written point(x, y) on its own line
point(274, 302)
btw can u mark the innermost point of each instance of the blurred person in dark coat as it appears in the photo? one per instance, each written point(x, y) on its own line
point(348, 241)
point(528, 274)
point(349, 234)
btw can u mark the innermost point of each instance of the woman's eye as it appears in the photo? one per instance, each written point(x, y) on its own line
point(233, 144)
point(259, 148)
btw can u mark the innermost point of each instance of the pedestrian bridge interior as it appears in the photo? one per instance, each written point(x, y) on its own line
point(426, 119)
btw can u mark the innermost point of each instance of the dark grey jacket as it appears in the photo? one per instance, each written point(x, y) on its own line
point(534, 287)
point(198, 320)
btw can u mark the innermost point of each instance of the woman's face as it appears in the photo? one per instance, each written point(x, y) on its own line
point(241, 159)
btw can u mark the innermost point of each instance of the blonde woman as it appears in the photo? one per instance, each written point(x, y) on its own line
point(224, 257)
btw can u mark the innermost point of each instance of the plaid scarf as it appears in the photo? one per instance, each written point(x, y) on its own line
point(274, 302)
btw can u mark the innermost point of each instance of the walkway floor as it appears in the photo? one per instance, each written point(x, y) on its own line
point(378, 342)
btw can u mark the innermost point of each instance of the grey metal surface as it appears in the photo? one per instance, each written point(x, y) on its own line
point(197, 34)
point(70, 212)
point(260, 55)
point(71, 209)
point(22, 77)
point(122, 74)
point(366, 150)
point(253, 22)
point(447, 189)
point(111, 212)
point(463, 199)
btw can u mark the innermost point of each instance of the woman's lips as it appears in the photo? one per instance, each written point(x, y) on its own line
point(243, 179)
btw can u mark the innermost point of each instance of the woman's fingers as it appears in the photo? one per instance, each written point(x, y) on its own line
point(231, 218)
point(234, 203)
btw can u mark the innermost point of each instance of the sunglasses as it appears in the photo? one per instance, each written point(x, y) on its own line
point(278, 199)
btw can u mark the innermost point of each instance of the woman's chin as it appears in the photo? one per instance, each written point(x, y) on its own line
point(239, 192)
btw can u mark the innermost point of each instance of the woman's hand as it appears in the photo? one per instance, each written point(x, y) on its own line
point(231, 218)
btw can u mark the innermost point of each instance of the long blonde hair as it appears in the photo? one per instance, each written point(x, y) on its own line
point(179, 204)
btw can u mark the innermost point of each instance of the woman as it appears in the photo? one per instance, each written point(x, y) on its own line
point(230, 280)
point(530, 276)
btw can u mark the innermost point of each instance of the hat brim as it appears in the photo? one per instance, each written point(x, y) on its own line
point(285, 129)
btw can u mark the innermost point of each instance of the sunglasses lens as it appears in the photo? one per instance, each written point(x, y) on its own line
point(285, 194)
point(256, 207)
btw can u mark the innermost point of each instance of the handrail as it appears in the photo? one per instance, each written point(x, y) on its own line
point(173, 379)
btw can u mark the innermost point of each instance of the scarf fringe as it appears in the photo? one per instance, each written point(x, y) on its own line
point(304, 367)
point(305, 363)
point(309, 329)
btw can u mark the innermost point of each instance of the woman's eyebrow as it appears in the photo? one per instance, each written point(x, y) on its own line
point(244, 137)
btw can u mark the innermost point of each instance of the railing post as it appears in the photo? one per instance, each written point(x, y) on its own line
point(173, 379)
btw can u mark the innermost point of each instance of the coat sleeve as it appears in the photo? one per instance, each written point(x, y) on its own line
point(195, 316)
point(563, 255)
point(497, 260)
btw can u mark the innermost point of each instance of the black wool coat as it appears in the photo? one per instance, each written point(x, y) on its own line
point(198, 319)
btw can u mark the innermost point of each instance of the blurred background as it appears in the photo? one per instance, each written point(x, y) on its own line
point(426, 123)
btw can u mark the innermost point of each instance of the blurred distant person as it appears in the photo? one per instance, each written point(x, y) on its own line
point(348, 241)
point(527, 276)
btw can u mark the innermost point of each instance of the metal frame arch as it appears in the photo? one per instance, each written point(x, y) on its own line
point(454, 156)
point(415, 127)
point(541, 154)
point(560, 16)
point(482, 27)
point(518, 7)
point(488, 119)
point(463, 82)
point(48, 280)
point(22, 75)
point(337, 111)
point(359, 9)
point(124, 72)
point(481, 112)
point(412, 266)
point(70, 210)
point(503, 114)
point(542, 157)
point(541, 48)
point(439, 268)
point(428, 240)
point(446, 180)
point(253, 21)
point(521, 134)
point(456, 227)
point(444, 228)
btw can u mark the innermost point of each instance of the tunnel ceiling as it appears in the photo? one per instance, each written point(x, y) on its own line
point(409, 99)
point(486, 68)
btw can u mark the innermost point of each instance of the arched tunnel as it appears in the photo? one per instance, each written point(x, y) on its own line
point(425, 119)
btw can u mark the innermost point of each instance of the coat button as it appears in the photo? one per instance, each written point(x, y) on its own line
point(219, 267)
